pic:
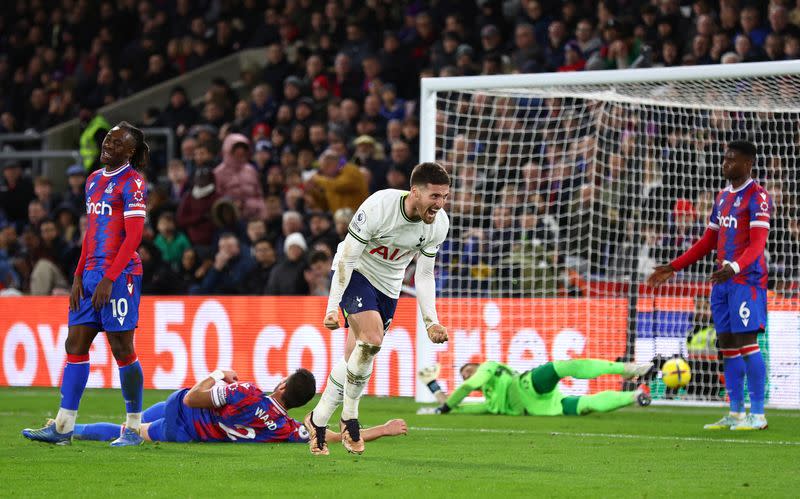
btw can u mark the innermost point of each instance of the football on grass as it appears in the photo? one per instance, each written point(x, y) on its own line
point(676, 373)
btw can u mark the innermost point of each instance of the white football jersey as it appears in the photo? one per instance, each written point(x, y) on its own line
point(392, 239)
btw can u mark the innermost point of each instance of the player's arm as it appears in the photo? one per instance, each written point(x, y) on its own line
point(475, 382)
point(351, 252)
point(134, 213)
point(76, 294)
point(426, 298)
point(391, 428)
point(359, 232)
point(697, 251)
point(207, 393)
point(425, 284)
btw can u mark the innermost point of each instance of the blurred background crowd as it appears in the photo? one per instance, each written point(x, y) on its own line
point(268, 172)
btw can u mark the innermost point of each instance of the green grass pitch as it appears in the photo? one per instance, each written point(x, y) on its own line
point(650, 452)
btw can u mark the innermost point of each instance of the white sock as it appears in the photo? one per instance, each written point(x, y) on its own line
point(134, 421)
point(65, 420)
point(332, 395)
point(359, 369)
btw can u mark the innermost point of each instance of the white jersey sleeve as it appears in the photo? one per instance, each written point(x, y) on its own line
point(424, 278)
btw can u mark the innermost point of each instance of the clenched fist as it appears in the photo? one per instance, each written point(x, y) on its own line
point(437, 333)
point(332, 320)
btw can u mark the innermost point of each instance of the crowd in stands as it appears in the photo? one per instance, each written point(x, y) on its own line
point(268, 175)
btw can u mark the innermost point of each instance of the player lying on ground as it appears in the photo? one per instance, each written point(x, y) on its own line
point(220, 409)
point(535, 392)
point(738, 228)
point(389, 229)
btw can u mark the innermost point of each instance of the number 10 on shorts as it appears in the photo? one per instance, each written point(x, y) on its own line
point(119, 307)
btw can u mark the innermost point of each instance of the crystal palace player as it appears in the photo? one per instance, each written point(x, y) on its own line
point(387, 231)
point(221, 409)
point(107, 286)
point(738, 228)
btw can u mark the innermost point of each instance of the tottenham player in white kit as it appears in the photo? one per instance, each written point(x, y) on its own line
point(389, 229)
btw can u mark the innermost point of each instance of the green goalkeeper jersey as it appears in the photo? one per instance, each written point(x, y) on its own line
point(505, 392)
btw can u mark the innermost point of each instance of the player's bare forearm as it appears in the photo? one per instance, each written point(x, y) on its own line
point(199, 396)
point(391, 428)
point(441, 397)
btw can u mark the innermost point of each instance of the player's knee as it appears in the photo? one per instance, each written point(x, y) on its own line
point(75, 345)
point(373, 338)
point(121, 350)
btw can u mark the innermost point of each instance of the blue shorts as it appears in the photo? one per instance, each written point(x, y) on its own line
point(169, 425)
point(738, 308)
point(361, 296)
point(121, 313)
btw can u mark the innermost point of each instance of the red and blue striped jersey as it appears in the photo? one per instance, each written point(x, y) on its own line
point(243, 414)
point(735, 211)
point(111, 197)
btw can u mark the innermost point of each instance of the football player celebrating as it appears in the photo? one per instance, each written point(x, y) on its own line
point(389, 229)
point(737, 228)
point(107, 286)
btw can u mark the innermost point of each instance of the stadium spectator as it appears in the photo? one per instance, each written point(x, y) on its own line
point(169, 241)
point(258, 277)
point(338, 184)
point(178, 178)
point(237, 179)
point(179, 114)
point(230, 269)
point(194, 209)
point(16, 192)
point(287, 277)
point(318, 273)
point(94, 129)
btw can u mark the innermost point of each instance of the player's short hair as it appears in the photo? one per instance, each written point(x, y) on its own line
point(429, 173)
point(300, 388)
point(461, 369)
point(744, 146)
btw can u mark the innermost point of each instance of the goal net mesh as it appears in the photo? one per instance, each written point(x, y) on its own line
point(566, 197)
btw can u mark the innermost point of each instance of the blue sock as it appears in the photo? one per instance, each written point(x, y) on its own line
point(132, 380)
point(756, 377)
point(734, 368)
point(76, 373)
point(104, 432)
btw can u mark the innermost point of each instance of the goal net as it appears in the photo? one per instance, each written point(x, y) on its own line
point(569, 188)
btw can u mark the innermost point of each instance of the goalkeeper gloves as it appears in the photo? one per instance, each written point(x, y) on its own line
point(428, 377)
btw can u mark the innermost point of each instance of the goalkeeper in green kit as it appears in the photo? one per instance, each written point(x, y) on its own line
point(535, 392)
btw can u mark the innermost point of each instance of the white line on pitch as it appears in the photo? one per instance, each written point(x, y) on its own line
point(605, 435)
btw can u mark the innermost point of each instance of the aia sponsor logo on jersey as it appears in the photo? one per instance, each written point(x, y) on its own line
point(383, 252)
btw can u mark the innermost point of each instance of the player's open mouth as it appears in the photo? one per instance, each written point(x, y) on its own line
point(432, 213)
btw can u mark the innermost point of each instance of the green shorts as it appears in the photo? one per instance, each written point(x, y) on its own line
point(545, 379)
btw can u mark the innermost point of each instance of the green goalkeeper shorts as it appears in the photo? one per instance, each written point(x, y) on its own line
point(545, 379)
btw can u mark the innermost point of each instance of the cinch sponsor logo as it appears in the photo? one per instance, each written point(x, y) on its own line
point(729, 221)
point(98, 208)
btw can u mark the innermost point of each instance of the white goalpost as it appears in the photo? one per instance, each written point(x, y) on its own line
point(569, 187)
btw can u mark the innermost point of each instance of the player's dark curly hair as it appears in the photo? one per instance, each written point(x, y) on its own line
point(300, 388)
point(141, 152)
point(429, 173)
